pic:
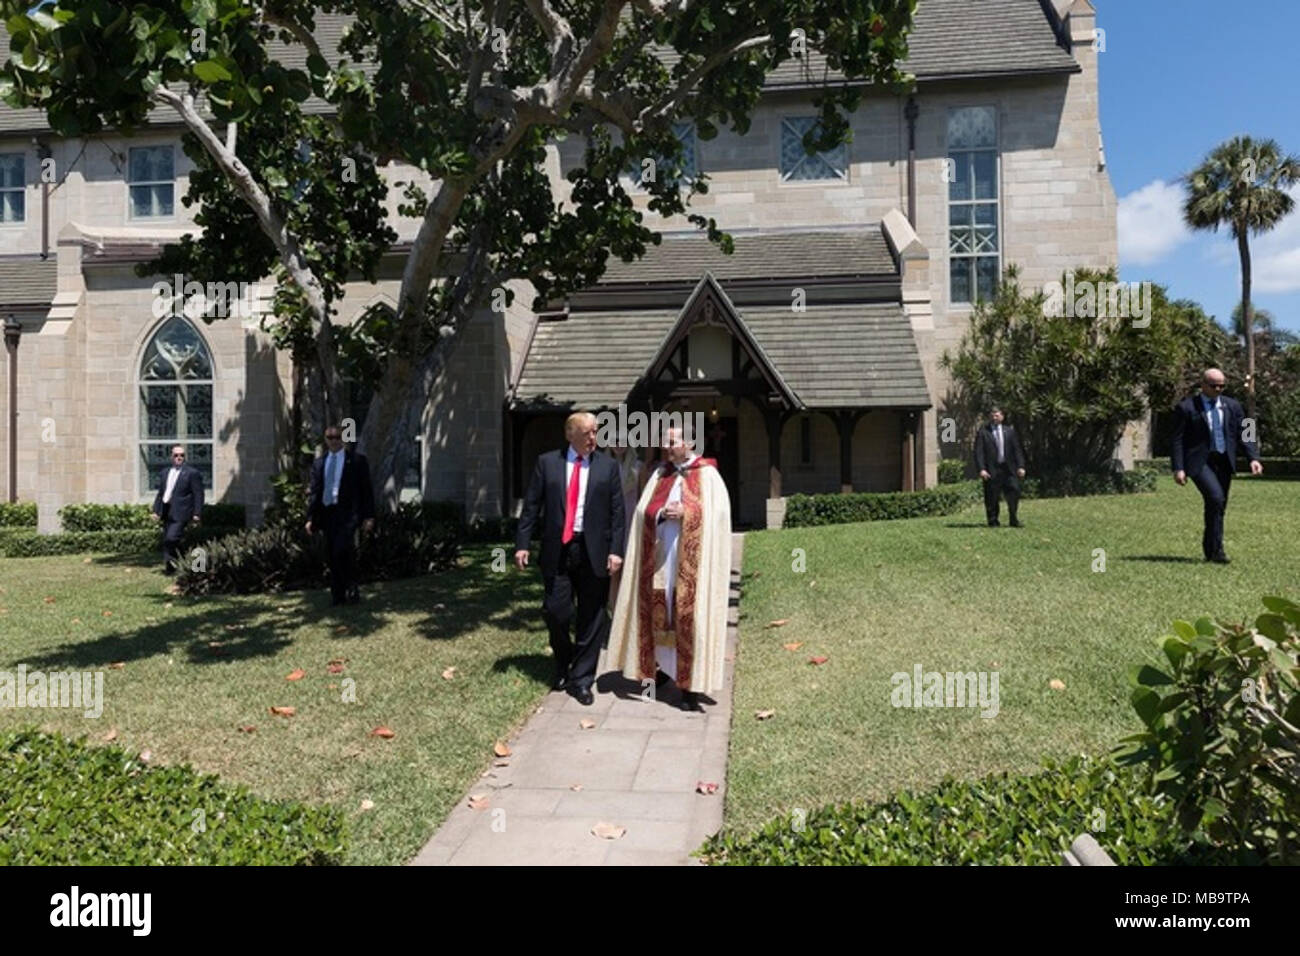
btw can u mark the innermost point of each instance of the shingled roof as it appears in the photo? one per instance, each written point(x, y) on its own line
point(950, 39)
point(770, 255)
point(25, 281)
point(832, 356)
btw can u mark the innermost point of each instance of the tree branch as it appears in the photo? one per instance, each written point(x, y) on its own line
point(673, 101)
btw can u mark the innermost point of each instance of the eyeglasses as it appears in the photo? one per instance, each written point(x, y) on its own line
point(178, 456)
point(1216, 384)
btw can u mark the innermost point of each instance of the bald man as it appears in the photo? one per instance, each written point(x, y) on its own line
point(1207, 429)
point(575, 498)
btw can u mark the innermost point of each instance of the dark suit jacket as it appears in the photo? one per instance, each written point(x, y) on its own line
point(356, 496)
point(1192, 441)
point(986, 448)
point(187, 496)
point(604, 527)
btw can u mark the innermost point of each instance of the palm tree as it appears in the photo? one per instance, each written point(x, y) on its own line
point(1264, 327)
point(1243, 184)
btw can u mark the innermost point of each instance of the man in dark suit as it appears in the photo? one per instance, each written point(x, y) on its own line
point(341, 498)
point(575, 495)
point(179, 502)
point(1207, 429)
point(1001, 463)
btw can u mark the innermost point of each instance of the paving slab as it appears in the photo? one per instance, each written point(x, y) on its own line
point(636, 768)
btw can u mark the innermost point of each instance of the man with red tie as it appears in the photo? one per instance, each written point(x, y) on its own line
point(575, 499)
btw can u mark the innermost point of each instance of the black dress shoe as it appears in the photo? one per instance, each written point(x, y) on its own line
point(582, 695)
point(559, 680)
point(1016, 524)
point(661, 679)
point(691, 702)
point(995, 524)
point(1221, 558)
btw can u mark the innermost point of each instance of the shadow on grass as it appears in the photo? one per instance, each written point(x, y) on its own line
point(221, 628)
point(967, 524)
point(1162, 558)
point(537, 667)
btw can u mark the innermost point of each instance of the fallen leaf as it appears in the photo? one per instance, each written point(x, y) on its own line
point(337, 660)
point(146, 756)
point(284, 711)
point(86, 560)
point(608, 831)
point(49, 599)
point(818, 660)
point(501, 750)
point(334, 668)
point(705, 788)
point(296, 674)
point(500, 763)
point(340, 629)
point(247, 729)
point(111, 735)
point(167, 604)
point(367, 805)
point(383, 732)
point(1056, 684)
point(116, 665)
point(449, 673)
point(75, 620)
point(106, 613)
point(793, 645)
point(576, 787)
point(764, 714)
point(478, 801)
point(586, 723)
point(333, 687)
point(779, 623)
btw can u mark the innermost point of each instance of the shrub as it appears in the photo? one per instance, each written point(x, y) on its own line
point(1068, 483)
point(803, 511)
point(93, 517)
point(1004, 819)
point(1222, 732)
point(951, 471)
point(17, 514)
point(65, 803)
point(414, 540)
point(24, 543)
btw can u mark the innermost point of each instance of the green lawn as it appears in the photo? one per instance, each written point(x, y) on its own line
point(953, 595)
point(196, 670)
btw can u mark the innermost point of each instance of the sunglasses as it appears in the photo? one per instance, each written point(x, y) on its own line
point(1216, 384)
point(178, 456)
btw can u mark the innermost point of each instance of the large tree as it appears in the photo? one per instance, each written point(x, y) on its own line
point(1242, 184)
point(470, 92)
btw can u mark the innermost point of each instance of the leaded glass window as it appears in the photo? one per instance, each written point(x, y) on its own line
point(13, 187)
point(974, 234)
point(797, 165)
point(151, 178)
point(175, 393)
point(685, 133)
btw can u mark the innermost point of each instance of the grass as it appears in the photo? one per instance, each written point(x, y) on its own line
point(193, 671)
point(950, 594)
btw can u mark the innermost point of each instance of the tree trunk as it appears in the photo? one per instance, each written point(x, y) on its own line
point(1247, 320)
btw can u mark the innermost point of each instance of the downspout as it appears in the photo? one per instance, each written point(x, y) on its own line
point(44, 152)
point(910, 112)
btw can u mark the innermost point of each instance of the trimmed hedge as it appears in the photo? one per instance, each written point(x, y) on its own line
point(18, 514)
point(1078, 485)
point(94, 517)
point(66, 803)
point(417, 539)
point(1000, 820)
point(951, 471)
point(25, 543)
point(805, 511)
point(1273, 467)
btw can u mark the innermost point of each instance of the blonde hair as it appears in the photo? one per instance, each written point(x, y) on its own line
point(575, 421)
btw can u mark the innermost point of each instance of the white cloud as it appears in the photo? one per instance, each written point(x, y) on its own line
point(1151, 223)
point(1275, 255)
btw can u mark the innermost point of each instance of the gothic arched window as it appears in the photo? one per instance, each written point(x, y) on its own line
point(175, 385)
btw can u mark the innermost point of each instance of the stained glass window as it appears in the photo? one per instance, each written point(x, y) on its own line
point(175, 391)
point(974, 236)
point(796, 163)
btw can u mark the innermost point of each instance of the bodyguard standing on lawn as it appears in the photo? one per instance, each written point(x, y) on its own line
point(1207, 429)
point(1001, 463)
point(576, 496)
point(179, 502)
point(340, 500)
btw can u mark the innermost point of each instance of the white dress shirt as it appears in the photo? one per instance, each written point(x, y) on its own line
point(1002, 450)
point(1209, 419)
point(570, 459)
point(171, 484)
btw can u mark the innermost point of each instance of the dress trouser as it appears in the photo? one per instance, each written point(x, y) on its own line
point(1213, 482)
point(1003, 479)
point(173, 531)
point(340, 534)
point(574, 579)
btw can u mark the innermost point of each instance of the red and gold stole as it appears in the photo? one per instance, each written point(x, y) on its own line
point(652, 604)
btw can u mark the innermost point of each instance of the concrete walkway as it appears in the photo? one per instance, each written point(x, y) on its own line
point(636, 769)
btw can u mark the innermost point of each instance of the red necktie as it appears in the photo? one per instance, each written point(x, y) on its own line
point(571, 505)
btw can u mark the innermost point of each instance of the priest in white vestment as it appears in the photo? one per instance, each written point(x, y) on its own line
point(670, 619)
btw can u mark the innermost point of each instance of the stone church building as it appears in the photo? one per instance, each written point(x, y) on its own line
point(813, 351)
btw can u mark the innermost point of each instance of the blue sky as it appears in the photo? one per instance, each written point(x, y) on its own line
point(1178, 78)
